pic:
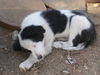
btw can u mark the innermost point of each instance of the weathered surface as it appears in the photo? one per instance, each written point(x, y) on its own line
point(13, 11)
point(94, 12)
point(92, 9)
point(65, 4)
point(92, 1)
point(95, 18)
point(22, 4)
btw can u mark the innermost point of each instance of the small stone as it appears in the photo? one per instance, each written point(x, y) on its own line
point(1, 69)
point(85, 67)
point(12, 71)
point(5, 48)
point(95, 73)
point(79, 71)
point(65, 71)
point(70, 60)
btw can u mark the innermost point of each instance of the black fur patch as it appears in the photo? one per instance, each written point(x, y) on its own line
point(77, 40)
point(87, 37)
point(56, 20)
point(35, 33)
point(70, 19)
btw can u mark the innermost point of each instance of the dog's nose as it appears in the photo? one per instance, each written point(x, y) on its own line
point(39, 56)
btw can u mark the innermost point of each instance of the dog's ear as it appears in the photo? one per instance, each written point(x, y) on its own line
point(30, 31)
point(40, 29)
point(16, 45)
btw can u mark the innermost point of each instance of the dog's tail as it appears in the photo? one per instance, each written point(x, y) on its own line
point(90, 35)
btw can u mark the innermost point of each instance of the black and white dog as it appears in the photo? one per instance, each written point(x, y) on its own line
point(40, 29)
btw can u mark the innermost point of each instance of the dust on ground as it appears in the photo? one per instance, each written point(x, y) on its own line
point(88, 60)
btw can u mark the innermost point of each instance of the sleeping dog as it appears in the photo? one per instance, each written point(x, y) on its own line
point(40, 29)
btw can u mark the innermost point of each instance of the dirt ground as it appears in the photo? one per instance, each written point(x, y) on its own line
point(87, 60)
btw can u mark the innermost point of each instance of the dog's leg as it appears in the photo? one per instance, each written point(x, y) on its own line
point(61, 44)
point(48, 46)
point(67, 45)
point(48, 41)
point(73, 42)
point(27, 64)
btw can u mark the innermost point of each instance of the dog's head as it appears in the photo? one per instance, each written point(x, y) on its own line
point(32, 38)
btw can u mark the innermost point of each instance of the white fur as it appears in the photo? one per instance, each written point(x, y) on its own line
point(67, 46)
point(27, 64)
point(43, 48)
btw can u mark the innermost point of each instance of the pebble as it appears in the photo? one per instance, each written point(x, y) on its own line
point(5, 48)
point(85, 66)
point(65, 71)
point(70, 60)
point(12, 71)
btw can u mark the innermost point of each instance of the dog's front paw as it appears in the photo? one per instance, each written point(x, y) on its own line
point(57, 45)
point(24, 66)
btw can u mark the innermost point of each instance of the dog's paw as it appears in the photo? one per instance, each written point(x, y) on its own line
point(24, 66)
point(57, 45)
